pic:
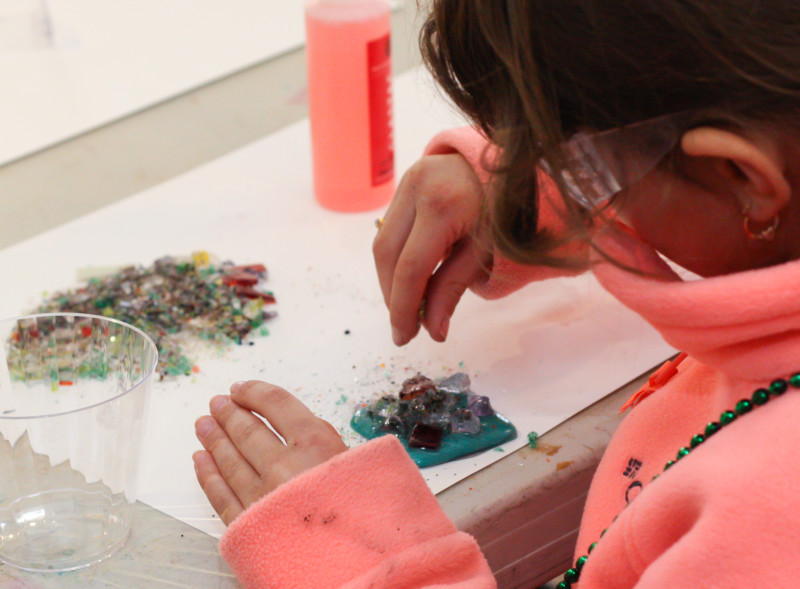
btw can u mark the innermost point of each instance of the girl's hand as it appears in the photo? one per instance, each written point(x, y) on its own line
point(243, 459)
point(432, 246)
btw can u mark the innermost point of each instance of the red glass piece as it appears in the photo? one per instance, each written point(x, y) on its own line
point(425, 436)
point(251, 293)
point(240, 278)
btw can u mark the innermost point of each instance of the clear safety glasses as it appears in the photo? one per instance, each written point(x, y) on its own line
point(599, 165)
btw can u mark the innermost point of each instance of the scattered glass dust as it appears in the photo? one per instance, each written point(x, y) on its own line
point(436, 421)
point(176, 300)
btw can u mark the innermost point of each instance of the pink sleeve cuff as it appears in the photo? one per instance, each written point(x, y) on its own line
point(335, 523)
point(507, 276)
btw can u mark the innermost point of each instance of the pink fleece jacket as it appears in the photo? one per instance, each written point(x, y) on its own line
point(727, 515)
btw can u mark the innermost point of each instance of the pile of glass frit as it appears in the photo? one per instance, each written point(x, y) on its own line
point(177, 300)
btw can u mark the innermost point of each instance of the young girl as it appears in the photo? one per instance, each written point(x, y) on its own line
point(668, 129)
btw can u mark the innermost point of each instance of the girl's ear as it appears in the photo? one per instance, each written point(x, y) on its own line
point(752, 169)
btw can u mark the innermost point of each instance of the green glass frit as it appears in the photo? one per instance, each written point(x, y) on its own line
point(683, 452)
point(794, 380)
point(727, 417)
point(744, 406)
point(571, 576)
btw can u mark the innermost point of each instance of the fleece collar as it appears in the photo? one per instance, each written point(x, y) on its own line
point(745, 324)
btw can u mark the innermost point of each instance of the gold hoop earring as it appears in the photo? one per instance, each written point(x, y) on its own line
point(767, 234)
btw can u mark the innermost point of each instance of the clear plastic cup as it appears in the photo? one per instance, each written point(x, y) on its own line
point(73, 396)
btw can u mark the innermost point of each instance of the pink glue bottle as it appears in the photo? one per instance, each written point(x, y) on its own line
point(349, 87)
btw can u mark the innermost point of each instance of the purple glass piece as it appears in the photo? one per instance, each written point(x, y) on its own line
point(480, 405)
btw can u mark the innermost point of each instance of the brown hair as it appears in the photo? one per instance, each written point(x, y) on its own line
point(530, 73)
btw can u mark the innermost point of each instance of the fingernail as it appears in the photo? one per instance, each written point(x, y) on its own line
point(445, 327)
point(236, 386)
point(218, 402)
point(204, 426)
point(398, 338)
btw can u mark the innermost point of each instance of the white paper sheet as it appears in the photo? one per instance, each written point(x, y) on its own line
point(69, 66)
point(542, 354)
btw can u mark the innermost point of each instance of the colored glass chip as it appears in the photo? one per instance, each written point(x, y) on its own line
point(425, 436)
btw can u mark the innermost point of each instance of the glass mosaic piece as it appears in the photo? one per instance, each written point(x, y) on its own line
point(436, 421)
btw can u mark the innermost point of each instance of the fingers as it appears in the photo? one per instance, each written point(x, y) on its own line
point(302, 430)
point(389, 240)
point(251, 437)
point(462, 268)
point(421, 255)
point(244, 459)
point(438, 203)
point(239, 475)
point(222, 498)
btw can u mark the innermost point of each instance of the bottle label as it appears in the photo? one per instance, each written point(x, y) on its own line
point(379, 67)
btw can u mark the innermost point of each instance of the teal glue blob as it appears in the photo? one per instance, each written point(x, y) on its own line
point(435, 421)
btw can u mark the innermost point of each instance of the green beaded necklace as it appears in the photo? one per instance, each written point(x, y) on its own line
point(758, 398)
